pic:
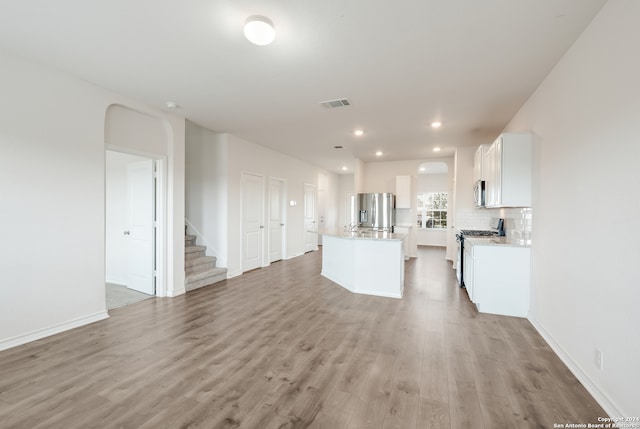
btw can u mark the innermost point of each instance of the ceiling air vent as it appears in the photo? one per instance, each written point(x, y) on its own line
point(331, 104)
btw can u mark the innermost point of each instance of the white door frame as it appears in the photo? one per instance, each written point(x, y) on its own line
point(140, 225)
point(283, 209)
point(314, 247)
point(160, 163)
point(263, 253)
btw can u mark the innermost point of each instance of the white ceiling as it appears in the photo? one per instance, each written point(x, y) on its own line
point(402, 64)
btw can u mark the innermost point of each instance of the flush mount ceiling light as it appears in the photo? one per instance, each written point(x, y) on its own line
point(436, 124)
point(171, 105)
point(436, 149)
point(344, 168)
point(259, 30)
point(379, 153)
point(358, 133)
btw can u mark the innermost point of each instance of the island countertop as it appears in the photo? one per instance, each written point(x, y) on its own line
point(366, 235)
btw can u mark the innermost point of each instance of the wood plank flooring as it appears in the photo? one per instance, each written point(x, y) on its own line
point(283, 347)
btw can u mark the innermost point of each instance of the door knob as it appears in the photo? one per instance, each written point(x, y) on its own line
point(127, 233)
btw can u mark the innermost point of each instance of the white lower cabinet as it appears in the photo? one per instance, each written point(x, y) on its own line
point(498, 278)
point(468, 270)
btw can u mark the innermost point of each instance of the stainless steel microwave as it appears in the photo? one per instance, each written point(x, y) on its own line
point(479, 193)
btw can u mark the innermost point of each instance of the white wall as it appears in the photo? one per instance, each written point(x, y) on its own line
point(206, 189)
point(115, 216)
point(585, 119)
point(346, 188)
point(249, 157)
point(52, 210)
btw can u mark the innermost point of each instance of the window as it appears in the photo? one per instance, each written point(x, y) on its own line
point(432, 210)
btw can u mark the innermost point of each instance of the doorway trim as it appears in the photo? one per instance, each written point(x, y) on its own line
point(160, 210)
point(283, 209)
point(262, 257)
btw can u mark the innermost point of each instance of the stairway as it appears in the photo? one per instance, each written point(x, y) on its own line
point(200, 270)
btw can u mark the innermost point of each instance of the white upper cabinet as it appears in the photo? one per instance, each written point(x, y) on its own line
point(403, 192)
point(478, 163)
point(507, 171)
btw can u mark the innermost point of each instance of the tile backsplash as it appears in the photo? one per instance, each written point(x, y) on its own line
point(518, 222)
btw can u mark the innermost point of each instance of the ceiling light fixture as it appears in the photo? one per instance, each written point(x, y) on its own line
point(436, 124)
point(344, 168)
point(436, 149)
point(378, 153)
point(171, 105)
point(358, 133)
point(259, 30)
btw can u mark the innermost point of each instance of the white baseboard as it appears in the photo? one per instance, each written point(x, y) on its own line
point(176, 292)
point(609, 407)
point(231, 275)
point(52, 330)
point(295, 255)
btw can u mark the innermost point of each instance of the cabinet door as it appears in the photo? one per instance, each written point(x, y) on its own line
point(468, 270)
point(403, 192)
point(490, 176)
point(478, 160)
point(497, 173)
point(516, 161)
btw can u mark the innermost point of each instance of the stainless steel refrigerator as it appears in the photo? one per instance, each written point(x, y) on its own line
point(376, 211)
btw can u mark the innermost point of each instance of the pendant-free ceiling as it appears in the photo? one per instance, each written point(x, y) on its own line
point(259, 30)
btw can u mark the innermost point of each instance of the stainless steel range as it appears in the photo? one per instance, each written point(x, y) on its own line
point(497, 229)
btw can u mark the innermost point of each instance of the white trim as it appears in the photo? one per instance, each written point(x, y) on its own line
point(609, 407)
point(161, 228)
point(52, 330)
point(243, 173)
point(283, 209)
point(233, 274)
point(295, 255)
point(176, 292)
point(160, 198)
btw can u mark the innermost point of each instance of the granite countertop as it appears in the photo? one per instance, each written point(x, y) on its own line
point(495, 241)
point(366, 235)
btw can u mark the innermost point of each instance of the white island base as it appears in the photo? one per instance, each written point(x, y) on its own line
point(371, 265)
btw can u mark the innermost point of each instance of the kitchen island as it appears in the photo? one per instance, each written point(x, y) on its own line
point(370, 263)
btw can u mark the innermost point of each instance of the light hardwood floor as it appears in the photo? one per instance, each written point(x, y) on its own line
point(282, 347)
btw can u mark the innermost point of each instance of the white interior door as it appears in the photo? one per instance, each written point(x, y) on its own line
point(276, 219)
point(140, 229)
point(252, 220)
point(310, 225)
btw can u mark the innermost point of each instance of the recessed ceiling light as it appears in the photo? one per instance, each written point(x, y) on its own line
point(379, 153)
point(358, 132)
point(436, 124)
point(344, 168)
point(259, 30)
point(422, 168)
point(171, 105)
point(436, 149)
